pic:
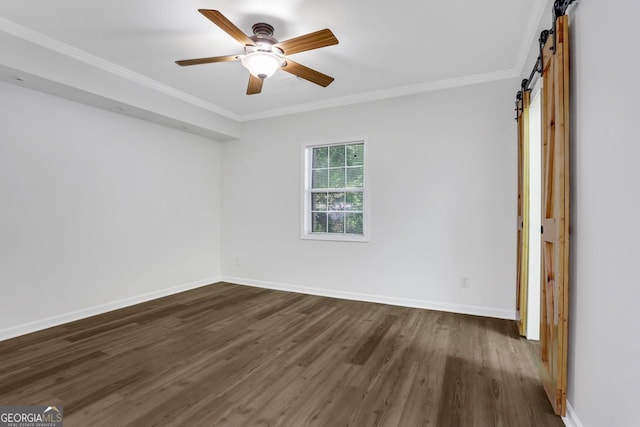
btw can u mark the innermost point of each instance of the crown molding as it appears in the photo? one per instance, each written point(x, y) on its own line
point(39, 39)
point(531, 34)
point(384, 94)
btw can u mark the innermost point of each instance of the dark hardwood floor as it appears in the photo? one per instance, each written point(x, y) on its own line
point(230, 355)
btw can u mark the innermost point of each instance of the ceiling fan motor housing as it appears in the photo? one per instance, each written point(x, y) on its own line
point(262, 28)
point(263, 37)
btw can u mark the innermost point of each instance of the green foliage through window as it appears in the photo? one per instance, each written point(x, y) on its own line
point(337, 189)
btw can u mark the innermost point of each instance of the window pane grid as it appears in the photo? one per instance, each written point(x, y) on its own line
point(337, 166)
point(336, 193)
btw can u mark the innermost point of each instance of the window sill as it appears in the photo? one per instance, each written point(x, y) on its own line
point(335, 237)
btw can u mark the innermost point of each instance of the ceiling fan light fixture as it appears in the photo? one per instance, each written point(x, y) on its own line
point(262, 64)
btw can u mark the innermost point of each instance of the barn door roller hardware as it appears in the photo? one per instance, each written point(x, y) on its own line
point(559, 9)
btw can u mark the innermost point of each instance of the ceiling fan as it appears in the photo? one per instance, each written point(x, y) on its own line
point(264, 55)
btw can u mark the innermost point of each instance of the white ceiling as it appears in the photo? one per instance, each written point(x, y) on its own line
point(385, 48)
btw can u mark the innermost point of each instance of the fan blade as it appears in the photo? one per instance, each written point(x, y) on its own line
point(307, 73)
point(221, 21)
point(309, 41)
point(255, 85)
point(209, 60)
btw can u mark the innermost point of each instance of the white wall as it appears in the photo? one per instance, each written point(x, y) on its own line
point(442, 168)
point(97, 208)
point(604, 348)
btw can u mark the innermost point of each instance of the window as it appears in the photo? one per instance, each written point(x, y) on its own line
point(334, 192)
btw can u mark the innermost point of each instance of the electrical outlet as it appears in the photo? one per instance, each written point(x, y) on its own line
point(238, 261)
point(465, 282)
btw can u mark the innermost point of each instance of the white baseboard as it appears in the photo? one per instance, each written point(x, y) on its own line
point(404, 302)
point(49, 322)
point(571, 420)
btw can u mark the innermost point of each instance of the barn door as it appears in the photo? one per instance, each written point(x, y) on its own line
point(523, 210)
point(555, 216)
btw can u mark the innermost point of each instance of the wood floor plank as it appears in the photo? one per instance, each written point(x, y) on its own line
point(231, 355)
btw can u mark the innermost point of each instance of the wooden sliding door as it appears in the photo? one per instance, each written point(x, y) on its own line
point(555, 216)
point(523, 211)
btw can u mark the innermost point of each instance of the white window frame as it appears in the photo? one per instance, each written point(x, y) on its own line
point(306, 233)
